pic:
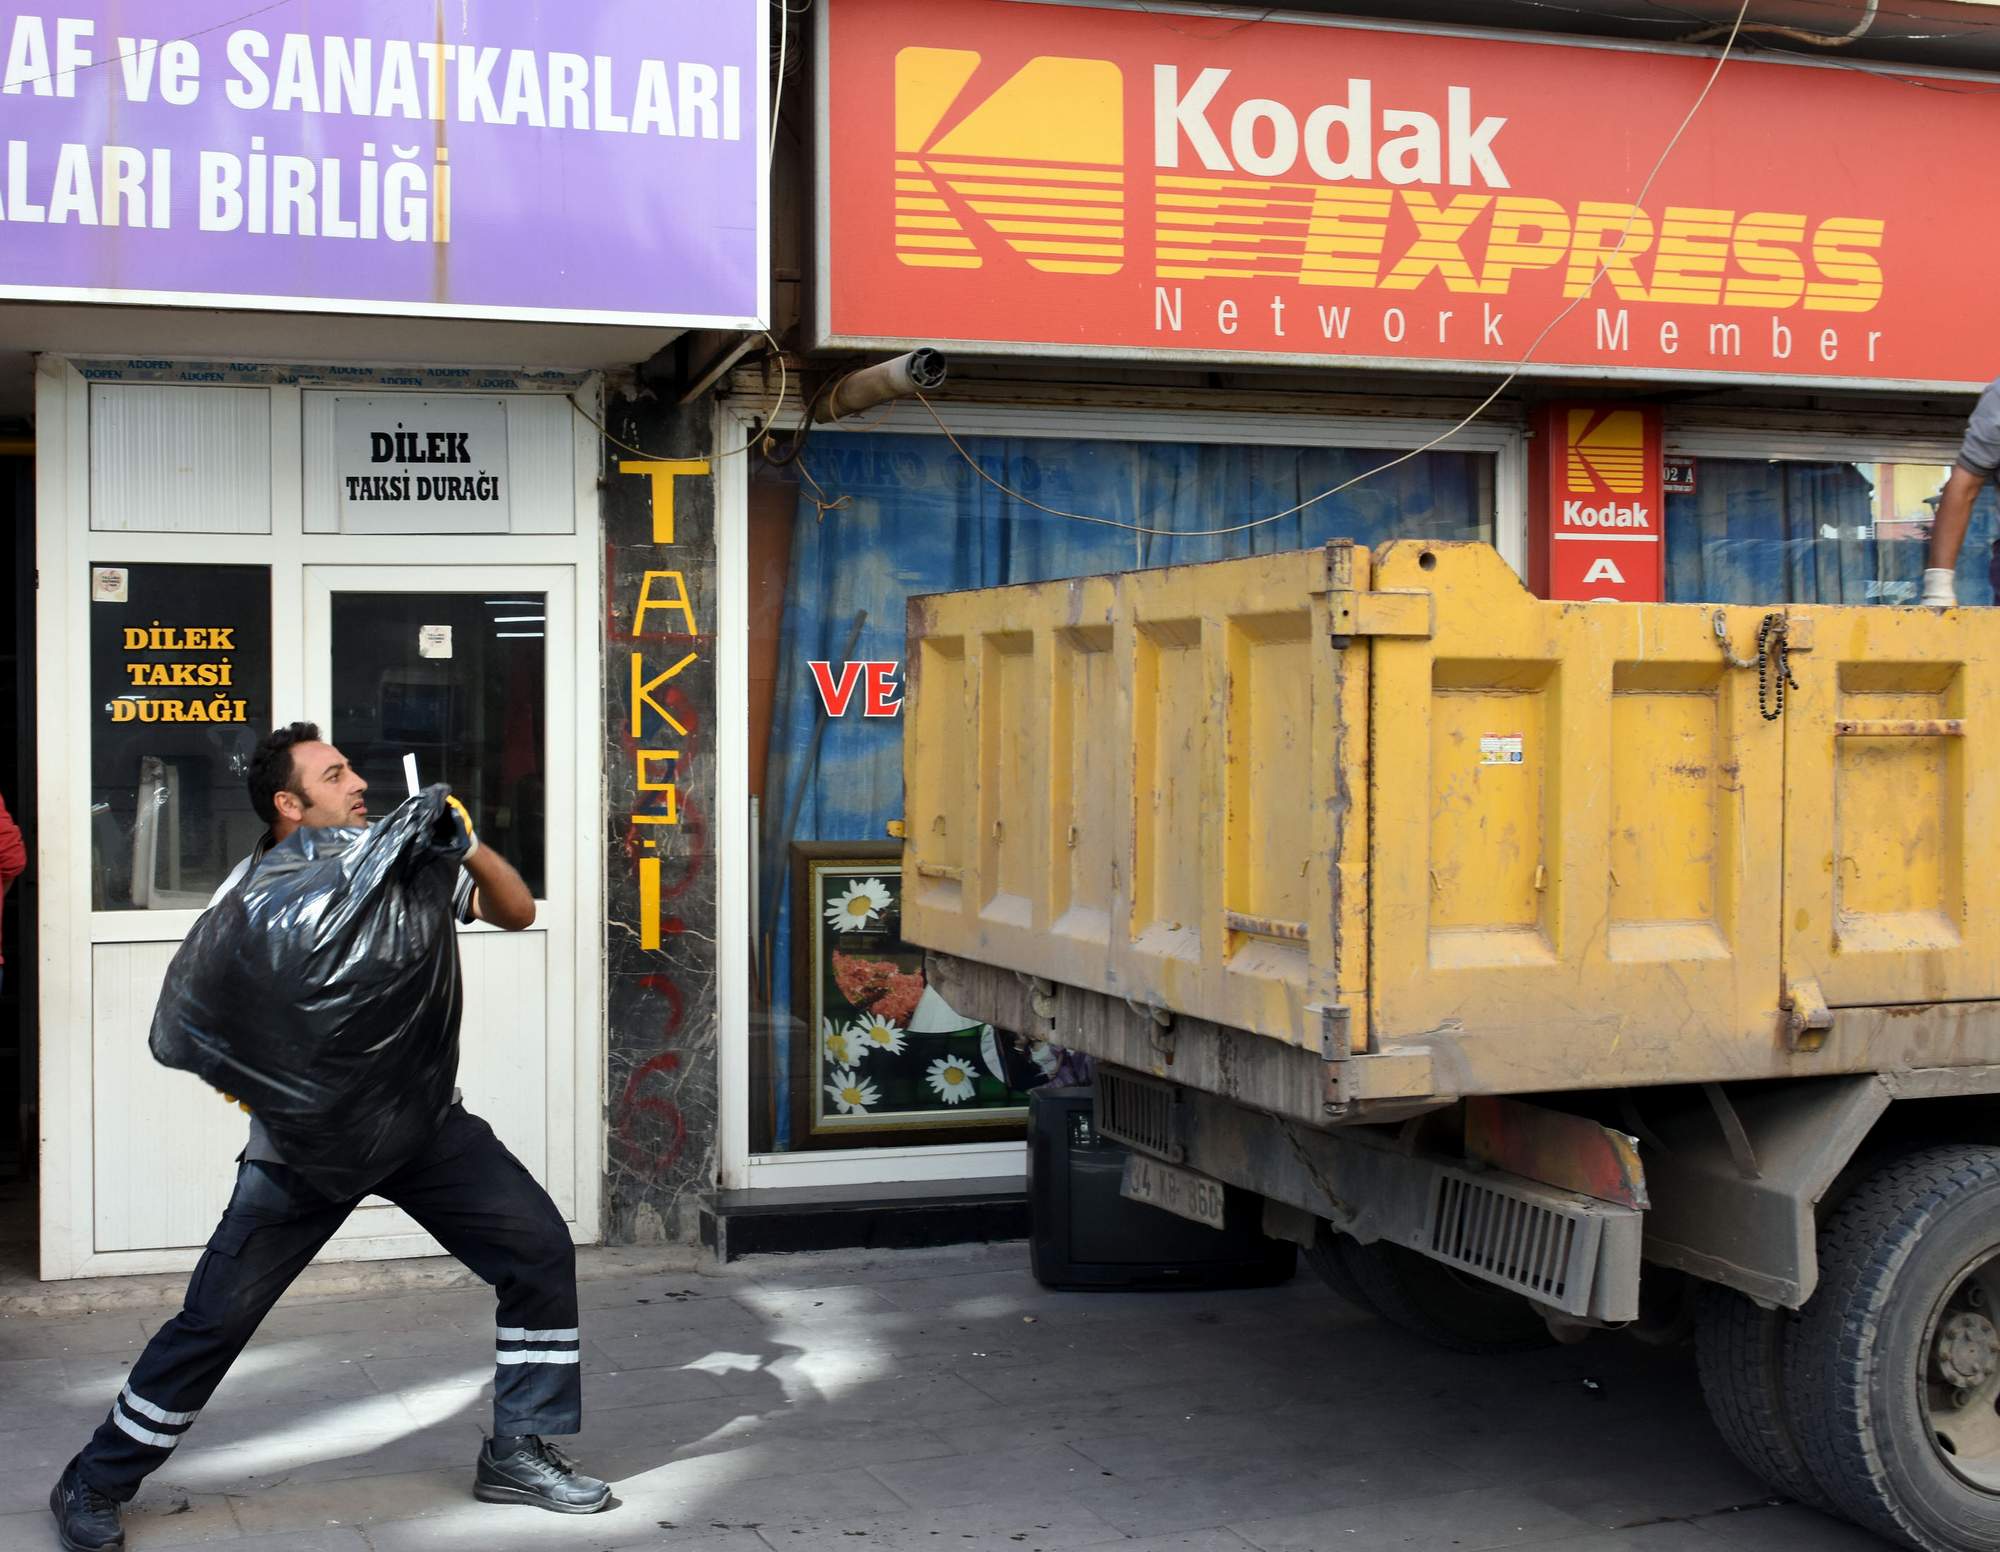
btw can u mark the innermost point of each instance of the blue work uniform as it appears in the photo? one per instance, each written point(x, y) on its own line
point(465, 1189)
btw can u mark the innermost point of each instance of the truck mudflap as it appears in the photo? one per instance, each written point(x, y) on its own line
point(1563, 1250)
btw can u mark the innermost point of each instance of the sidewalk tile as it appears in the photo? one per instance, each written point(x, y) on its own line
point(25, 1336)
point(1055, 1523)
point(317, 1505)
point(164, 1515)
point(954, 1480)
point(1468, 1522)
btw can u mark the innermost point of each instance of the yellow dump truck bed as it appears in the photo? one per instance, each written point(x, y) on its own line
point(1396, 811)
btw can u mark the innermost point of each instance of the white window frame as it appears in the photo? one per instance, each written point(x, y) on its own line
point(1753, 446)
point(65, 545)
point(738, 1167)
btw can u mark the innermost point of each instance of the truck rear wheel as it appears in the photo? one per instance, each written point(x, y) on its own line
point(1441, 1304)
point(1894, 1366)
point(1740, 1352)
point(1328, 1257)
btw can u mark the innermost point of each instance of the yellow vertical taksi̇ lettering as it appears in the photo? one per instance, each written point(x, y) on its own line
point(677, 602)
point(649, 902)
point(642, 694)
point(669, 785)
point(649, 867)
point(663, 472)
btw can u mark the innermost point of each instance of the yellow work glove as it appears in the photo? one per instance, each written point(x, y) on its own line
point(232, 1099)
point(464, 818)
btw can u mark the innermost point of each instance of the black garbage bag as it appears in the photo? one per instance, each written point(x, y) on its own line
point(323, 992)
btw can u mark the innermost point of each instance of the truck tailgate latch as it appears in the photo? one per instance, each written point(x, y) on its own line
point(1807, 1018)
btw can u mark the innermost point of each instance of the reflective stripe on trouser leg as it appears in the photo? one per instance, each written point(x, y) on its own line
point(537, 1386)
point(479, 1202)
point(137, 1418)
point(269, 1232)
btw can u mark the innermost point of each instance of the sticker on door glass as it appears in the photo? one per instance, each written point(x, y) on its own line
point(110, 584)
point(1501, 749)
point(433, 641)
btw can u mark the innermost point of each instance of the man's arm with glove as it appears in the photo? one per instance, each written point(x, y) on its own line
point(1954, 515)
point(500, 895)
point(1978, 458)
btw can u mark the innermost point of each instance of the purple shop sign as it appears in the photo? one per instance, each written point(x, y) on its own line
point(586, 161)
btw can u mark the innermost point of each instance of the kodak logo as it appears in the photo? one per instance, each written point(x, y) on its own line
point(1612, 514)
point(1340, 142)
point(1028, 161)
point(1606, 450)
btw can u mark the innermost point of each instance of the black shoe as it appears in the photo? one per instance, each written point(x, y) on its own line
point(537, 1473)
point(86, 1520)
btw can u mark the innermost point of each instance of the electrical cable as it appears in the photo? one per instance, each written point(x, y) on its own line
point(1662, 12)
point(1604, 268)
point(150, 48)
point(797, 445)
point(751, 441)
point(1233, 25)
point(1798, 34)
point(777, 90)
point(1895, 74)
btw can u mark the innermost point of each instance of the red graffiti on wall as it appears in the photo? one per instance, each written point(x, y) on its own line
point(633, 1102)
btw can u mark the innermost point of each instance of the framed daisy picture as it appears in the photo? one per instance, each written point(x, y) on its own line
point(883, 1053)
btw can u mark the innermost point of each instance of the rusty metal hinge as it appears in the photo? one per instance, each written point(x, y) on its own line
point(1363, 611)
point(1351, 612)
point(1807, 1018)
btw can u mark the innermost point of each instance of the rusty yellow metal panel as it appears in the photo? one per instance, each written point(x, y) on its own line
point(1890, 750)
point(1577, 837)
point(1510, 845)
point(1152, 784)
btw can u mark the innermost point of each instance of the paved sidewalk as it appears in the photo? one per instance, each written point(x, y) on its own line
point(915, 1401)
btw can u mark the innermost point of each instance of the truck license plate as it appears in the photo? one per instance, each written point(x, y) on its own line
point(1179, 1191)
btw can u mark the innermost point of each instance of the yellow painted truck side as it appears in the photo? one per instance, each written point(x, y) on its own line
point(1481, 842)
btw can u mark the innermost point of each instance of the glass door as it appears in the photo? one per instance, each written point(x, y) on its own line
point(460, 667)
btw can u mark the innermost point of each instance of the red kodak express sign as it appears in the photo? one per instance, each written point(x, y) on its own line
point(1110, 181)
point(1595, 496)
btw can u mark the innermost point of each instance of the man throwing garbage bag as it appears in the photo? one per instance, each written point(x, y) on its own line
point(321, 990)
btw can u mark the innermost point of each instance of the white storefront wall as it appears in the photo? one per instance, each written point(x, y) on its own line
point(136, 1161)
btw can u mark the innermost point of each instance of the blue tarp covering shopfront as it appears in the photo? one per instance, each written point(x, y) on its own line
point(1756, 531)
point(913, 518)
